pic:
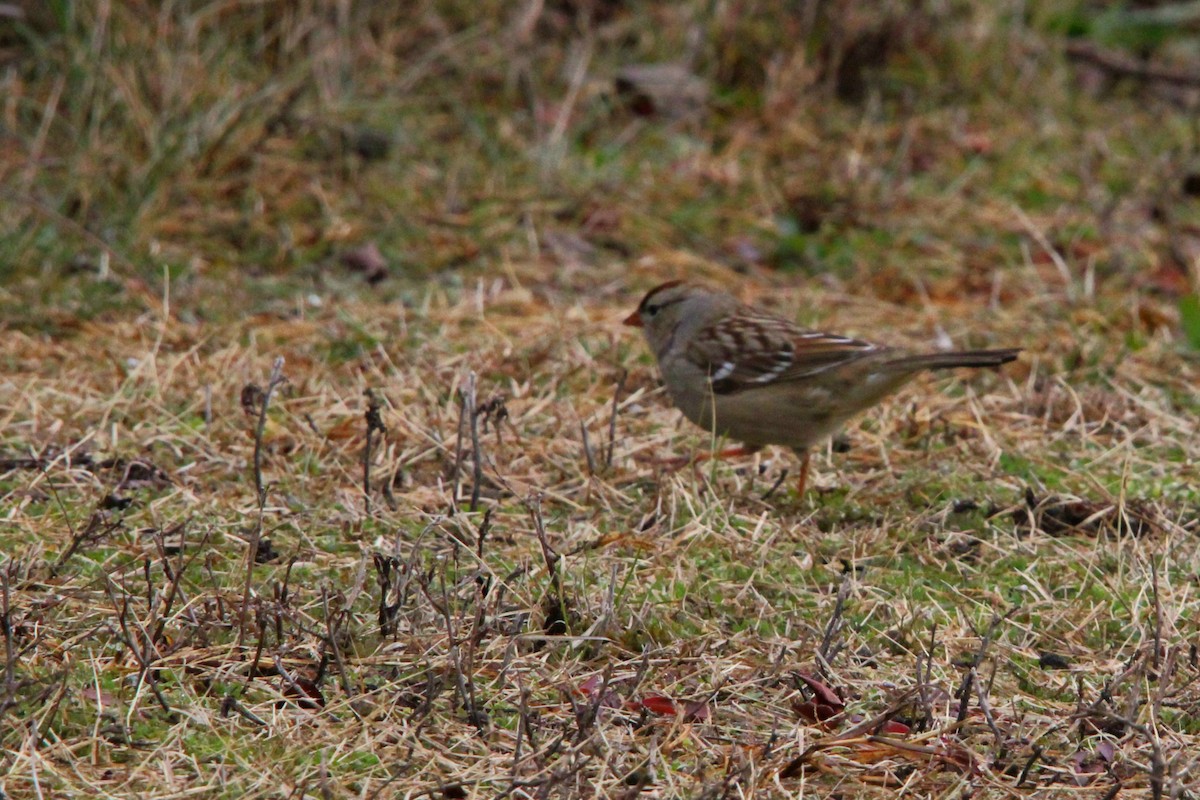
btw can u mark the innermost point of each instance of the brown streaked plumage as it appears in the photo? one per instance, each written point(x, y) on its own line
point(760, 379)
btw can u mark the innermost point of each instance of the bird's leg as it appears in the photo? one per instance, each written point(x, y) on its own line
point(706, 455)
point(728, 452)
point(805, 457)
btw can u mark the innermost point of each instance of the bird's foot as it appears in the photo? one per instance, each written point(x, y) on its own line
point(706, 455)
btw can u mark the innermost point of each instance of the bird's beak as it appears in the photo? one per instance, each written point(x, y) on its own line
point(634, 320)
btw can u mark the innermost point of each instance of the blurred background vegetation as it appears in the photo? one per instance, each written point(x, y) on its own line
point(221, 142)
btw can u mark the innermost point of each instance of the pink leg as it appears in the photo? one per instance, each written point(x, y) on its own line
point(728, 452)
point(804, 459)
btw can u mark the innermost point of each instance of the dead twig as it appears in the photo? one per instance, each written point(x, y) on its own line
point(587, 450)
point(374, 423)
point(145, 653)
point(612, 420)
point(468, 416)
point(1034, 756)
point(11, 684)
point(829, 647)
point(585, 718)
point(230, 705)
point(925, 680)
point(334, 619)
point(552, 558)
point(260, 491)
point(99, 526)
point(775, 486)
point(872, 724)
point(476, 448)
point(964, 692)
point(174, 574)
point(385, 568)
point(1119, 64)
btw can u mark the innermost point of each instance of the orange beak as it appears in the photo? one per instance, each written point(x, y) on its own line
point(634, 320)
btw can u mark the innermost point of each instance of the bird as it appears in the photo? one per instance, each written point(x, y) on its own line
point(750, 376)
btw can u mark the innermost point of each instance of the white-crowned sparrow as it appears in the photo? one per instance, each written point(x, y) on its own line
point(759, 379)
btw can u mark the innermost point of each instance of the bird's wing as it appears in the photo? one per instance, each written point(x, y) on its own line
point(749, 349)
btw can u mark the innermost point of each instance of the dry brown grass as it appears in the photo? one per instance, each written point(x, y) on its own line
point(1002, 566)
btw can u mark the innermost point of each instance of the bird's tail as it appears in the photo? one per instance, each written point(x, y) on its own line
point(960, 358)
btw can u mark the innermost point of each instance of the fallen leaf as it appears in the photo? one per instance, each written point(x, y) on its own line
point(696, 711)
point(657, 704)
point(103, 697)
point(669, 90)
point(1047, 660)
point(824, 694)
point(304, 693)
point(366, 260)
point(1058, 516)
point(954, 754)
point(592, 685)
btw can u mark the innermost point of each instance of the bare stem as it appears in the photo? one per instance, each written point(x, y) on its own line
point(261, 491)
point(374, 423)
point(476, 449)
point(612, 420)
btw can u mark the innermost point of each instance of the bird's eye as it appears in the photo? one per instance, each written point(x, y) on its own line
point(651, 310)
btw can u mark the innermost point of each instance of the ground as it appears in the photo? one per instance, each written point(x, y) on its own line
point(327, 468)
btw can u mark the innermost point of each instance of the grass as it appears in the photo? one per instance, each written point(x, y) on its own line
point(1001, 565)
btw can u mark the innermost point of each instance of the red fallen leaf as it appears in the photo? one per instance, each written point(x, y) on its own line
point(955, 754)
point(894, 727)
point(1098, 723)
point(590, 686)
point(1087, 766)
point(304, 693)
point(669, 90)
point(1169, 279)
point(1106, 750)
point(696, 711)
point(977, 142)
point(367, 260)
point(1078, 251)
point(657, 704)
point(812, 711)
point(601, 220)
point(824, 695)
point(824, 704)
